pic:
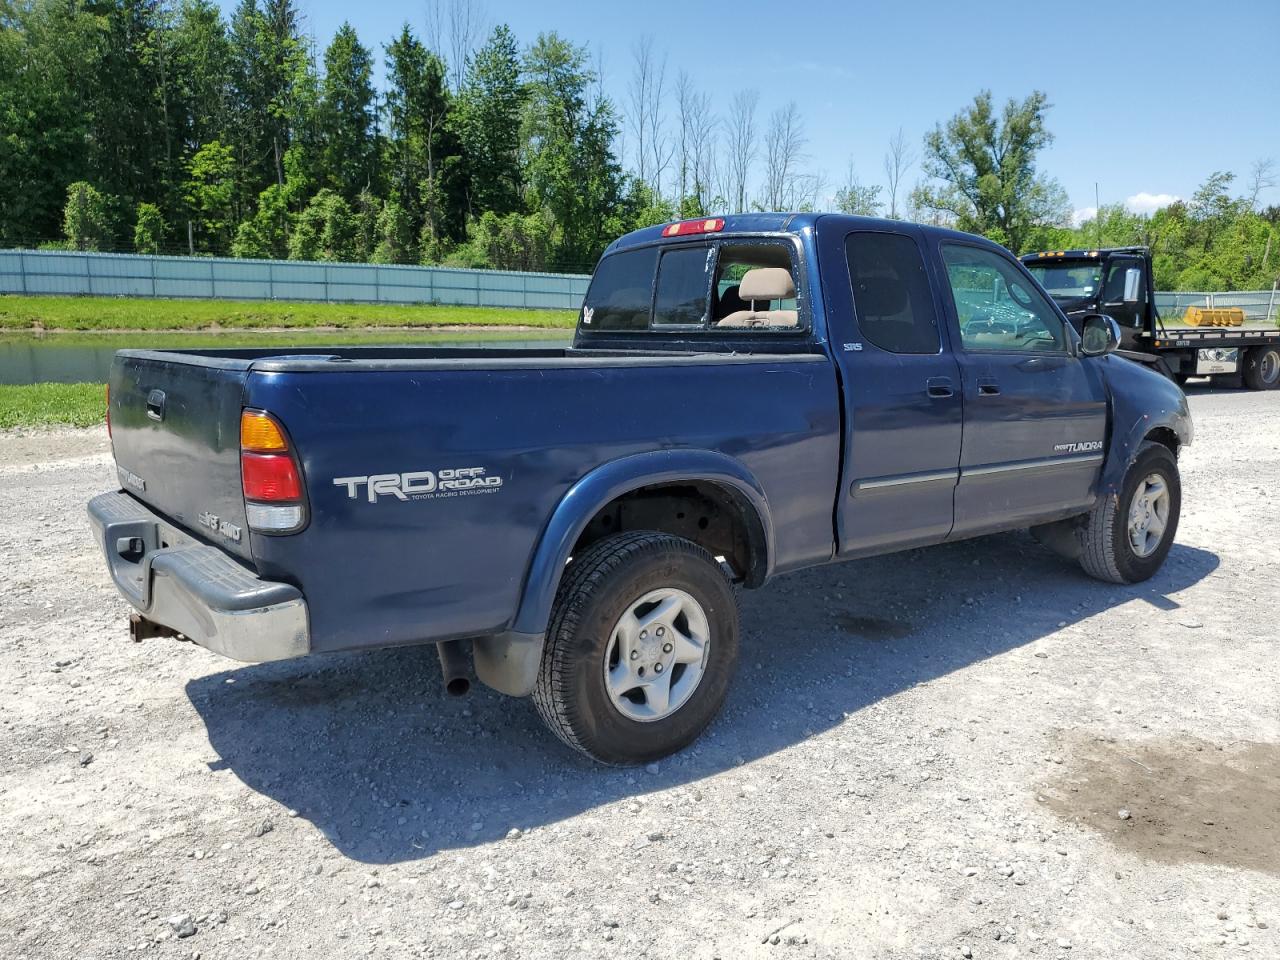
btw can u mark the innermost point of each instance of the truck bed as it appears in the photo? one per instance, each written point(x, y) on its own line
point(384, 570)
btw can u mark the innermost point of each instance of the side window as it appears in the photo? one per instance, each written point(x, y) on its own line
point(1119, 283)
point(996, 306)
point(683, 286)
point(621, 291)
point(755, 287)
point(891, 294)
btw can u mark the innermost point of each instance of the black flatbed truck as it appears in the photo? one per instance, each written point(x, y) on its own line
point(1118, 281)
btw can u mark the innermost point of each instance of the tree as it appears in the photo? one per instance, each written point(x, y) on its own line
point(394, 235)
point(1262, 177)
point(987, 168)
point(516, 241)
point(325, 230)
point(421, 146)
point(48, 51)
point(453, 28)
point(855, 198)
point(210, 191)
point(148, 230)
point(897, 161)
point(85, 221)
point(694, 161)
point(345, 114)
point(486, 122)
point(645, 95)
point(573, 176)
point(741, 145)
point(784, 144)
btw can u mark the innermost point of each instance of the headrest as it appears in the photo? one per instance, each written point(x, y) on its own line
point(880, 296)
point(767, 283)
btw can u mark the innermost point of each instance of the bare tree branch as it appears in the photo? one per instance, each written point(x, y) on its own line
point(897, 161)
point(742, 147)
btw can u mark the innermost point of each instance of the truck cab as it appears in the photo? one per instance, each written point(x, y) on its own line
point(1118, 282)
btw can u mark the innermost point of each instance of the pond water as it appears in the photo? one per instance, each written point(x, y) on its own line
point(86, 357)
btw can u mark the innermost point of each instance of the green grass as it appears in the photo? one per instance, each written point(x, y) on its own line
point(47, 404)
point(121, 313)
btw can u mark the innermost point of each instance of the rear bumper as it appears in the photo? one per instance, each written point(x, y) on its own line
point(187, 585)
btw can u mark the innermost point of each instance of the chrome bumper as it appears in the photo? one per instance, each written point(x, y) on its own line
point(179, 582)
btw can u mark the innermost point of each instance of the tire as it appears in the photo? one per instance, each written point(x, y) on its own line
point(575, 693)
point(1107, 550)
point(1262, 368)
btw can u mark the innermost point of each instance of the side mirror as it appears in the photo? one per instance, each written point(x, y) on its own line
point(1099, 335)
point(1132, 284)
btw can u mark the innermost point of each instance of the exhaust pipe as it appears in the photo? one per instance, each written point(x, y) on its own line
point(453, 664)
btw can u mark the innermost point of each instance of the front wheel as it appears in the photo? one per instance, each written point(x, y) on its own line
point(1126, 536)
point(642, 645)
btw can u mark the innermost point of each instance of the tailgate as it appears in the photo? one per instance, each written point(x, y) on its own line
point(175, 429)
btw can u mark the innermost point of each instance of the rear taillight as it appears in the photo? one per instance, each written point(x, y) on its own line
point(269, 475)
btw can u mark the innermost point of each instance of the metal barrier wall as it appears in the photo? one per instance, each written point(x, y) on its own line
point(132, 275)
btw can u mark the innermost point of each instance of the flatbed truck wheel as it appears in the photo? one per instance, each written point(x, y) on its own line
point(1262, 368)
point(1126, 536)
point(641, 648)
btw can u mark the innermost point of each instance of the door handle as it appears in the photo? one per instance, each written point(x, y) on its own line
point(988, 388)
point(940, 387)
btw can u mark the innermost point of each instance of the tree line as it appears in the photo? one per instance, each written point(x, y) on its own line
point(161, 125)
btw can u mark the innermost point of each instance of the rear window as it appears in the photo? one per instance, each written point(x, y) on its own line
point(621, 291)
point(734, 287)
point(682, 287)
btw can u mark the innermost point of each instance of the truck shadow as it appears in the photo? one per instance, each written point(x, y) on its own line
point(370, 749)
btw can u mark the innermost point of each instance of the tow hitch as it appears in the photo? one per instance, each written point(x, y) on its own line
point(140, 628)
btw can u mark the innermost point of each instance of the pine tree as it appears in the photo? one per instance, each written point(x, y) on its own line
point(346, 116)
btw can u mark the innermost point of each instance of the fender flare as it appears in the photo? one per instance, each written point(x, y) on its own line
point(1124, 448)
point(1142, 401)
point(614, 479)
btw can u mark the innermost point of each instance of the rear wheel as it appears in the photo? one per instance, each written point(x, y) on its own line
point(1262, 368)
point(642, 645)
point(1126, 536)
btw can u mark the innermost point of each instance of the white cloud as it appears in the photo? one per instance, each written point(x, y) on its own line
point(1149, 202)
point(1084, 213)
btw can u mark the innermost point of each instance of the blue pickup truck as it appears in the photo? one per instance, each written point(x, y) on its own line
point(744, 396)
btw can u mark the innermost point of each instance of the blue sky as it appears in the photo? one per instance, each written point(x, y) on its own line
point(1148, 97)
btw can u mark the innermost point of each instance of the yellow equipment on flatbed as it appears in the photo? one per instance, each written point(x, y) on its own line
point(1214, 317)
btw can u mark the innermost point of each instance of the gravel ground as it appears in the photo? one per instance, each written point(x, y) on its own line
point(966, 751)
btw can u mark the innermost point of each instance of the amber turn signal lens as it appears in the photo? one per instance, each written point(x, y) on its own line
point(260, 434)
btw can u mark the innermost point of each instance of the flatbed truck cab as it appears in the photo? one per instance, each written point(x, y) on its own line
point(1119, 282)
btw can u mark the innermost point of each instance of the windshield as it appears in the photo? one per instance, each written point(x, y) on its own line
point(1068, 281)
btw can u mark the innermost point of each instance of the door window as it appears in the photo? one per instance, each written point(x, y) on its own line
point(998, 309)
point(891, 294)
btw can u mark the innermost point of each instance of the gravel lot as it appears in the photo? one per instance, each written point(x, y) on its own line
point(966, 751)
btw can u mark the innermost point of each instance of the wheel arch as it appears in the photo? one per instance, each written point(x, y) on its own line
point(720, 479)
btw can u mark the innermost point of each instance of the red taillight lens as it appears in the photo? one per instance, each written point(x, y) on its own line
point(270, 477)
point(687, 227)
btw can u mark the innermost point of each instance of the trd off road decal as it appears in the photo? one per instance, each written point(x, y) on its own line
point(1084, 446)
point(421, 484)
